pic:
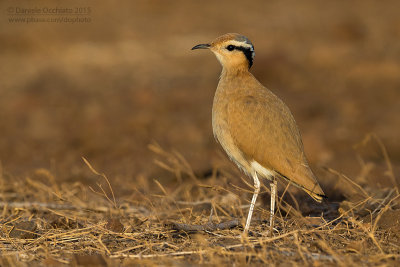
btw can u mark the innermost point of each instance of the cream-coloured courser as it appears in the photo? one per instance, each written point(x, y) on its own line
point(254, 127)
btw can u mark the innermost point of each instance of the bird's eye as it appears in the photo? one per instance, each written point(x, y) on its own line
point(230, 47)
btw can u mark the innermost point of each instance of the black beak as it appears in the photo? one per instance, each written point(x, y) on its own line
point(201, 46)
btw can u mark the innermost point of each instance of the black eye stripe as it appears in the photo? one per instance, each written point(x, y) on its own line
point(231, 47)
point(247, 51)
point(241, 48)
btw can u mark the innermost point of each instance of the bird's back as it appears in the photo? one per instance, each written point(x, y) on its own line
point(254, 126)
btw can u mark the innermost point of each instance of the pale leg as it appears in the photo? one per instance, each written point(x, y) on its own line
point(253, 201)
point(273, 197)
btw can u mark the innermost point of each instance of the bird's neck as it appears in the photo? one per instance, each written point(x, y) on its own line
point(234, 78)
point(235, 73)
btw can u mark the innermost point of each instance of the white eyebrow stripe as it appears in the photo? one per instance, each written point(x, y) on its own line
point(237, 43)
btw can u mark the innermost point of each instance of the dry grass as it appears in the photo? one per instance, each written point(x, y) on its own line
point(77, 224)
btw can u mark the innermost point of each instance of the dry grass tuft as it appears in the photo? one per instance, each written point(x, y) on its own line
point(70, 223)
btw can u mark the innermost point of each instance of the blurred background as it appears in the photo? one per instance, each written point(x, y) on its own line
point(123, 77)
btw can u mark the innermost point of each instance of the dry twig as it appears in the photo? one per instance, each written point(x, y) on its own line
point(205, 227)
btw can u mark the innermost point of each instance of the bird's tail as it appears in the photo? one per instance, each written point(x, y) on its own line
point(315, 196)
point(311, 187)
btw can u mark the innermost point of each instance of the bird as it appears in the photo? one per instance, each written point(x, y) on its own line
point(254, 127)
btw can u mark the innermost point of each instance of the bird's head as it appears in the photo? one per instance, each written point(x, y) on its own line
point(234, 51)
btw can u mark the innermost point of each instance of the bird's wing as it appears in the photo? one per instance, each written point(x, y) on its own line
point(264, 129)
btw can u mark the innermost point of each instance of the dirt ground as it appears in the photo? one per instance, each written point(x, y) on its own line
point(106, 139)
